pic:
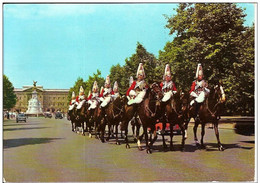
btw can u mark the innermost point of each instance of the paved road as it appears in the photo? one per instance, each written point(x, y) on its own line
point(45, 150)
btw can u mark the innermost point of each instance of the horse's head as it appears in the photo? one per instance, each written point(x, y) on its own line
point(156, 91)
point(219, 93)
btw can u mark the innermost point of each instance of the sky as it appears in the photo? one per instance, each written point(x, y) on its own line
point(54, 44)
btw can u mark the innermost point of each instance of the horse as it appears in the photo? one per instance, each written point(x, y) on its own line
point(113, 115)
point(174, 113)
point(209, 111)
point(72, 117)
point(83, 116)
point(147, 113)
point(99, 122)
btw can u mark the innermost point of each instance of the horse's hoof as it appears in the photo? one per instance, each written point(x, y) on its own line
point(83, 134)
point(107, 139)
point(148, 151)
point(164, 146)
point(102, 140)
point(221, 148)
point(171, 148)
point(117, 143)
point(198, 145)
point(127, 146)
point(90, 136)
point(140, 148)
point(202, 146)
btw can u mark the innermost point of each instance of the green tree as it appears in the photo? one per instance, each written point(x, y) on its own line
point(242, 78)
point(9, 96)
point(210, 34)
point(87, 85)
point(121, 74)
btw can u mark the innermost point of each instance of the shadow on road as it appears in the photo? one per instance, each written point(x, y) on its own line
point(9, 143)
point(34, 128)
point(214, 146)
point(20, 124)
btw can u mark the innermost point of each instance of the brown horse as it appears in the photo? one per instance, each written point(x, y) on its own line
point(99, 122)
point(113, 115)
point(72, 117)
point(81, 115)
point(147, 113)
point(209, 111)
point(174, 113)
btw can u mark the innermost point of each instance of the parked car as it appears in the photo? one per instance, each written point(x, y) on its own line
point(58, 115)
point(20, 117)
point(47, 115)
point(159, 127)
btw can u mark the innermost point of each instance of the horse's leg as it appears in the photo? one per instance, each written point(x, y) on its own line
point(109, 132)
point(72, 126)
point(183, 131)
point(220, 147)
point(133, 130)
point(195, 133)
point(154, 138)
point(102, 130)
point(82, 125)
point(163, 131)
point(202, 135)
point(148, 150)
point(171, 136)
point(126, 139)
point(117, 142)
point(112, 131)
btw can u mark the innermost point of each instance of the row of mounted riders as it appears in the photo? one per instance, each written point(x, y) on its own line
point(177, 110)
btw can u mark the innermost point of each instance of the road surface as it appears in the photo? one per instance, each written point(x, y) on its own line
point(46, 150)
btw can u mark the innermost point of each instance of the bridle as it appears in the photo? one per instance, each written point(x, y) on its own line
point(155, 90)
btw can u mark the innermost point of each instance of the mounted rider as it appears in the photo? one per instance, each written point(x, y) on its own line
point(168, 87)
point(73, 101)
point(115, 90)
point(93, 99)
point(106, 93)
point(137, 90)
point(81, 98)
point(199, 90)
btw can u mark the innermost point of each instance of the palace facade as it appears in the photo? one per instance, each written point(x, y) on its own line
point(51, 99)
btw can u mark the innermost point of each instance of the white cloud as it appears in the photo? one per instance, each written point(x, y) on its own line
point(46, 10)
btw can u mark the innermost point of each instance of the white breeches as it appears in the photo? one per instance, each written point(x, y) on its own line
point(138, 99)
point(93, 104)
point(199, 98)
point(167, 96)
point(105, 101)
point(71, 107)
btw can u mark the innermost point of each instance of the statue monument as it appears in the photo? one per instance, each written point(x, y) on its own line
point(34, 105)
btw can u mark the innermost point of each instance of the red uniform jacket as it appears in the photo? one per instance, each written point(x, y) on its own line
point(192, 88)
point(132, 87)
point(102, 91)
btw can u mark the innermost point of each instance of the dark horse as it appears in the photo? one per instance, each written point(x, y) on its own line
point(209, 111)
point(99, 122)
point(147, 113)
point(174, 111)
point(83, 116)
point(72, 117)
point(113, 115)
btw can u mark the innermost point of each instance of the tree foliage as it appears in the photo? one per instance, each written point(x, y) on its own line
point(87, 85)
point(213, 34)
point(121, 74)
point(9, 97)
